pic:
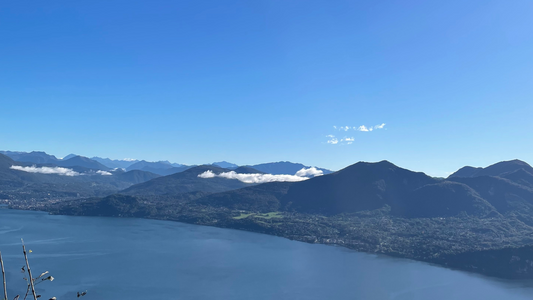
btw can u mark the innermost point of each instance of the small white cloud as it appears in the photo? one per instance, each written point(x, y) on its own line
point(341, 128)
point(105, 173)
point(379, 126)
point(332, 140)
point(362, 128)
point(129, 159)
point(310, 172)
point(46, 170)
point(348, 140)
point(207, 174)
point(253, 178)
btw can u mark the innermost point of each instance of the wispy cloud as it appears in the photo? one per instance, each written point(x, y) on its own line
point(47, 170)
point(362, 128)
point(332, 140)
point(349, 140)
point(255, 178)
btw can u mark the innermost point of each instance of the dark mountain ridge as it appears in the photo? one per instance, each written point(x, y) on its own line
point(185, 182)
point(37, 157)
point(497, 169)
point(372, 186)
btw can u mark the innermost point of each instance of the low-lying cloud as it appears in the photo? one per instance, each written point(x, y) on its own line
point(310, 172)
point(47, 170)
point(301, 175)
point(57, 170)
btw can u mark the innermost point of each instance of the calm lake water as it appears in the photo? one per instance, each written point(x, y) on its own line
point(116, 258)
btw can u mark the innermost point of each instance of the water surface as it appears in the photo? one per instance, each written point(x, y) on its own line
point(116, 258)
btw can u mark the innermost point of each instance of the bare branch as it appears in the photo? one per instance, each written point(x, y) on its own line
point(29, 270)
point(3, 276)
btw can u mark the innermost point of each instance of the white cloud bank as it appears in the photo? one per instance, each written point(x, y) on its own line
point(56, 170)
point(47, 170)
point(301, 175)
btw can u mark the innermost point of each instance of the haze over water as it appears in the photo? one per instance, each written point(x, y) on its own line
point(117, 258)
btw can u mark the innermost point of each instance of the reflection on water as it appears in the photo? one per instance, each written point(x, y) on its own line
point(146, 259)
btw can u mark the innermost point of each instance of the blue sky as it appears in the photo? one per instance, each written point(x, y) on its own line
point(259, 81)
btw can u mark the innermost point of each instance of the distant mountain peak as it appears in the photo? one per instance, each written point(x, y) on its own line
point(497, 169)
point(69, 156)
point(225, 164)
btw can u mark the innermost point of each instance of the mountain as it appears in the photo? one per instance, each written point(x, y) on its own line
point(363, 187)
point(521, 177)
point(283, 167)
point(444, 199)
point(162, 168)
point(69, 156)
point(82, 161)
point(37, 157)
point(115, 163)
point(266, 197)
point(137, 176)
point(186, 181)
point(504, 194)
point(247, 170)
point(225, 164)
point(140, 165)
point(496, 169)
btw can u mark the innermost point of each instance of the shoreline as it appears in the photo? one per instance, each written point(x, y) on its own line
point(310, 239)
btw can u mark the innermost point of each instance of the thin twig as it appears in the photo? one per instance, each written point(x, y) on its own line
point(3, 276)
point(27, 292)
point(29, 271)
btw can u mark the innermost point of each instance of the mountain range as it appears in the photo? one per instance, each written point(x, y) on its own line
point(373, 207)
point(484, 212)
point(162, 168)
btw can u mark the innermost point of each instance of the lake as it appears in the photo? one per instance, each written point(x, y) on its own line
point(119, 258)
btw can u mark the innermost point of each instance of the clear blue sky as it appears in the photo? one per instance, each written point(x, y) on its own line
point(259, 81)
